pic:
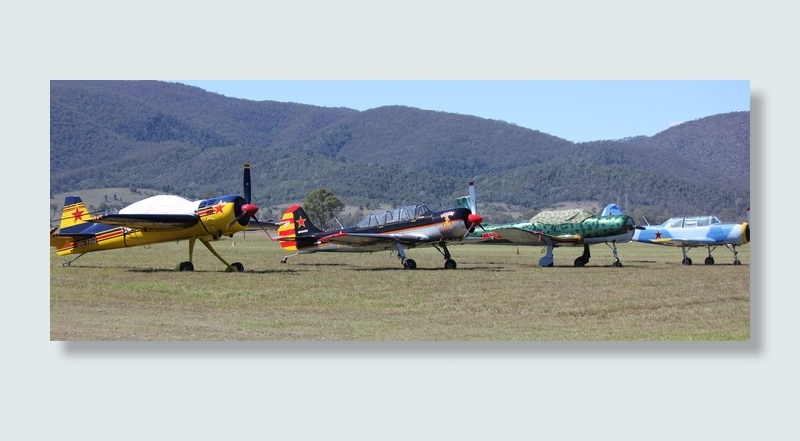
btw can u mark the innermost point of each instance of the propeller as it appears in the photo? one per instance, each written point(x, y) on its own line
point(249, 209)
point(474, 219)
point(246, 209)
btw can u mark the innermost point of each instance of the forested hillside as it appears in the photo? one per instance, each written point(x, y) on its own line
point(183, 140)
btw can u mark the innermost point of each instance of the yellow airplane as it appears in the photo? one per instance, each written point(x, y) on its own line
point(157, 219)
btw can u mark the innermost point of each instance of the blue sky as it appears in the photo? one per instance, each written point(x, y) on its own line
point(576, 110)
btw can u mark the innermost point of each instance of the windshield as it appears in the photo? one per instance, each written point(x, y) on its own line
point(691, 222)
point(402, 214)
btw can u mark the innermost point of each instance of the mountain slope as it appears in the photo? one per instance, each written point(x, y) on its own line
point(183, 140)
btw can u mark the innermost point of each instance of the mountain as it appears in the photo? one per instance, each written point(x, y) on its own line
point(183, 140)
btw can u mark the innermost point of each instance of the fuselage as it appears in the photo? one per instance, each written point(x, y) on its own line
point(618, 228)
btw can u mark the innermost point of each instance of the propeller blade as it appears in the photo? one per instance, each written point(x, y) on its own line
point(263, 228)
point(474, 219)
point(246, 194)
point(472, 202)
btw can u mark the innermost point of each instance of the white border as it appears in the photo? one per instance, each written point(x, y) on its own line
point(590, 391)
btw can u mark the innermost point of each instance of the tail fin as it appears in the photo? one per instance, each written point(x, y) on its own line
point(74, 213)
point(295, 227)
point(612, 210)
point(75, 225)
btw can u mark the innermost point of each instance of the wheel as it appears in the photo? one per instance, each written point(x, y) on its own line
point(709, 260)
point(737, 262)
point(450, 264)
point(617, 264)
point(186, 266)
point(579, 262)
point(686, 261)
point(237, 266)
point(409, 264)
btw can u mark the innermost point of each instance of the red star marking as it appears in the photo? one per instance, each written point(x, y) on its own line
point(78, 214)
point(658, 235)
point(301, 222)
point(218, 208)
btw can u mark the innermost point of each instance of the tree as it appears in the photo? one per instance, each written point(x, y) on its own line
point(322, 206)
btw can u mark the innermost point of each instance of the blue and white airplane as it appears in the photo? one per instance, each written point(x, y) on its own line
point(697, 231)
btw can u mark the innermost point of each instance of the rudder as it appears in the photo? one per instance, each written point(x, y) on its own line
point(612, 210)
point(74, 212)
point(295, 226)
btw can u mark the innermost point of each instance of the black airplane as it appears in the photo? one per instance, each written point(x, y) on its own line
point(399, 228)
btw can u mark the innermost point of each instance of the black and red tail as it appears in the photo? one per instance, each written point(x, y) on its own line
point(296, 230)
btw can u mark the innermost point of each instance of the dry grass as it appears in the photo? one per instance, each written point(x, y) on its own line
point(496, 294)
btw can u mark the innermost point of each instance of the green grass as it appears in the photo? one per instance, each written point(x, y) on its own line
point(496, 294)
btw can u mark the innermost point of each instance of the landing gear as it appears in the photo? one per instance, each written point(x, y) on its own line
point(617, 263)
point(547, 260)
point(408, 264)
point(449, 263)
point(237, 267)
point(72, 260)
point(580, 261)
point(686, 260)
point(735, 255)
point(710, 259)
point(584, 258)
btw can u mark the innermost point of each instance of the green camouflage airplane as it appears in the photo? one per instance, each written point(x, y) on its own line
point(562, 228)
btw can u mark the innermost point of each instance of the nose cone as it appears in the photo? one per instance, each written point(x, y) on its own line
point(249, 209)
point(474, 220)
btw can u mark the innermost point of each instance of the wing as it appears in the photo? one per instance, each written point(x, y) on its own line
point(516, 235)
point(677, 242)
point(528, 237)
point(375, 241)
point(150, 221)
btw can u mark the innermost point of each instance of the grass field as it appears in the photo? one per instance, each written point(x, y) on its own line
point(496, 294)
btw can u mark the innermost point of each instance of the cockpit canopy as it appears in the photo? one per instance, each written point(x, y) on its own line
point(691, 222)
point(402, 214)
